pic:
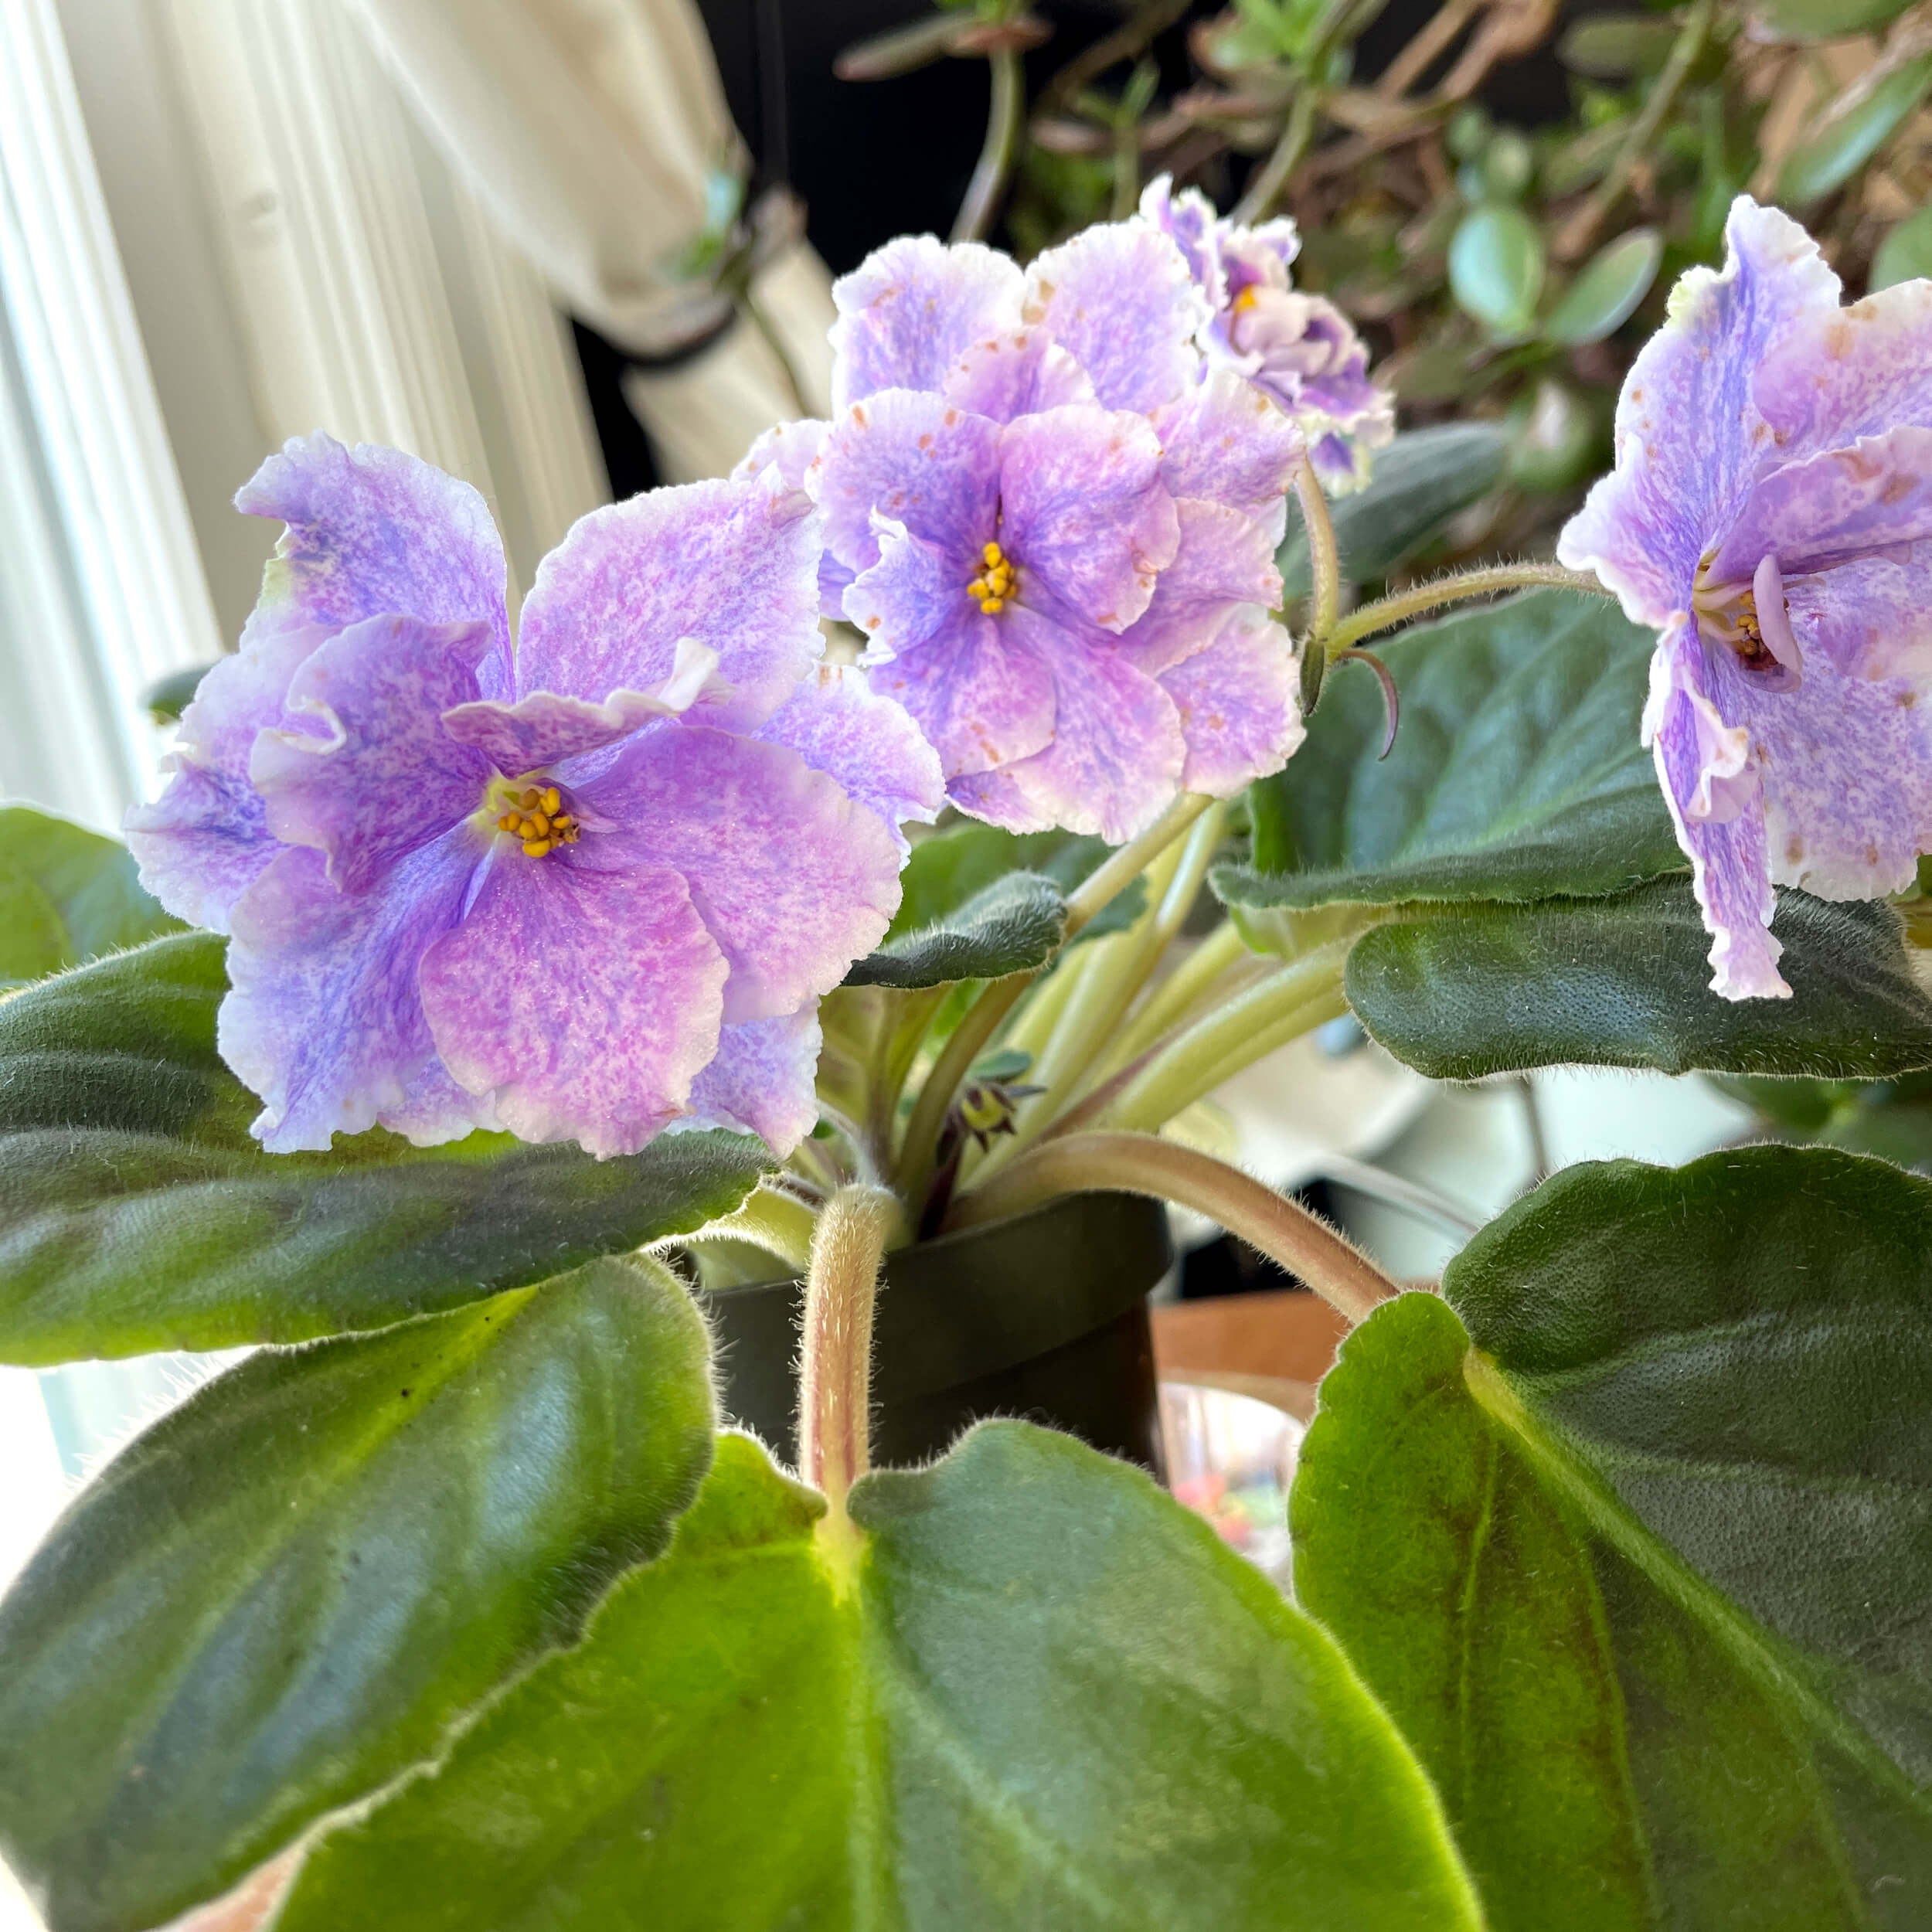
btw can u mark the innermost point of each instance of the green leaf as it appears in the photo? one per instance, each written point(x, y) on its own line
point(1517, 772)
point(1905, 254)
point(953, 866)
point(136, 1213)
point(1608, 289)
point(1013, 925)
point(167, 698)
point(1643, 1574)
point(1475, 990)
point(1821, 19)
point(1496, 265)
point(1033, 1693)
point(1420, 481)
point(66, 895)
point(1615, 46)
point(284, 1593)
point(1847, 141)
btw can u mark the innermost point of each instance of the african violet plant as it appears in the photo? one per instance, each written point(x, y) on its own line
point(528, 969)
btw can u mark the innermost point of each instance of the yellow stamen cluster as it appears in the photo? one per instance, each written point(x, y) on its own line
point(538, 818)
point(995, 584)
point(1246, 300)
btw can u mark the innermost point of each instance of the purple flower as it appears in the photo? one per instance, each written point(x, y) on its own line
point(589, 889)
point(1298, 349)
point(1055, 526)
point(1771, 515)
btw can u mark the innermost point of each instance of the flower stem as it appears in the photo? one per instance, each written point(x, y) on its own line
point(835, 1373)
point(1385, 613)
point(1100, 888)
point(1241, 1031)
point(1265, 189)
point(1170, 1001)
point(1282, 1230)
point(1324, 555)
point(919, 1150)
point(1004, 118)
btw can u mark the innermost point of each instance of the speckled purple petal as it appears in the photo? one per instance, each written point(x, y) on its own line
point(995, 798)
point(1188, 219)
point(1115, 762)
point(585, 1001)
point(205, 840)
point(373, 532)
point(915, 589)
point(978, 689)
point(1873, 616)
point(1240, 704)
point(733, 566)
point(1838, 374)
point(917, 461)
point(786, 451)
point(1713, 790)
point(382, 777)
point(1875, 494)
point(433, 1110)
point(1119, 299)
point(324, 1019)
point(1019, 373)
point(1689, 438)
point(793, 879)
point(1085, 512)
point(761, 1080)
point(909, 311)
point(1226, 559)
point(840, 726)
point(539, 730)
point(1225, 442)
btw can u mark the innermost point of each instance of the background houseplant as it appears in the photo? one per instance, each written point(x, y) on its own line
point(1615, 1546)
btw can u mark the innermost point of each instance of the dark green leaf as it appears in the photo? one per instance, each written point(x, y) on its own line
point(1643, 1580)
point(1905, 254)
point(136, 1213)
point(1475, 990)
point(1517, 772)
point(1821, 19)
point(1036, 1693)
point(284, 1593)
point(1496, 265)
point(953, 866)
point(66, 895)
point(1847, 141)
point(1608, 289)
point(1013, 925)
point(167, 698)
point(1420, 481)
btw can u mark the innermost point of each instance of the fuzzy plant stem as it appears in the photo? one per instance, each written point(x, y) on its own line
point(1282, 1230)
point(1005, 120)
point(835, 1373)
point(1385, 613)
point(1324, 555)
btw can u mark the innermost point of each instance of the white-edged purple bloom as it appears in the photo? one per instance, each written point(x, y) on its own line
point(1298, 349)
point(1771, 516)
point(1055, 526)
point(586, 889)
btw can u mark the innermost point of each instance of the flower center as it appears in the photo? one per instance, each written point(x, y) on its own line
point(534, 814)
point(1730, 614)
point(996, 583)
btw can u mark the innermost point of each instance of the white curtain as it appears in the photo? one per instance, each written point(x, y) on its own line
point(592, 131)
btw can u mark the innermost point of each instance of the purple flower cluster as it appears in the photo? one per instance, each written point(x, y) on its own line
point(588, 887)
point(1054, 515)
point(1298, 349)
point(1771, 516)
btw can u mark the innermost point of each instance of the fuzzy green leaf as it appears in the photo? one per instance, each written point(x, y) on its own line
point(1420, 481)
point(1643, 1573)
point(1037, 1693)
point(137, 1213)
point(1474, 990)
point(1010, 927)
point(1517, 772)
point(66, 895)
point(284, 1593)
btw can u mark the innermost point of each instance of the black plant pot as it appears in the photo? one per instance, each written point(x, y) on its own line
point(1044, 1316)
